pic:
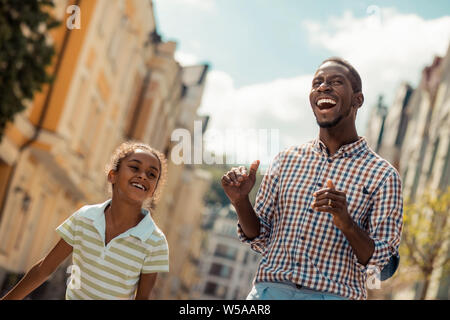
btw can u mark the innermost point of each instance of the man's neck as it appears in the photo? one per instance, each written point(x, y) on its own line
point(334, 138)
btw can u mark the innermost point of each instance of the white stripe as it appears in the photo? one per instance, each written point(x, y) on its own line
point(102, 262)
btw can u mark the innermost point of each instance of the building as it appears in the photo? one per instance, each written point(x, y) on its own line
point(228, 266)
point(115, 80)
point(416, 140)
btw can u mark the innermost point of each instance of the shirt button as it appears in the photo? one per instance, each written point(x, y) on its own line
point(311, 210)
point(319, 184)
point(298, 264)
point(330, 160)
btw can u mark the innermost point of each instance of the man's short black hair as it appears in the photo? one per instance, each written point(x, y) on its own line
point(356, 81)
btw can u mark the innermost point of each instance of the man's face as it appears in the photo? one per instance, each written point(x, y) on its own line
point(331, 95)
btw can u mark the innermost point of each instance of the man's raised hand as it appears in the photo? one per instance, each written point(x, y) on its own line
point(237, 183)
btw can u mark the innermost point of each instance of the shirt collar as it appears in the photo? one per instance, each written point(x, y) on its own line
point(142, 230)
point(347, 150)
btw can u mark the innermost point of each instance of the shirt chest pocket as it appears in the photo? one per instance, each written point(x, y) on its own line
point(358, 201)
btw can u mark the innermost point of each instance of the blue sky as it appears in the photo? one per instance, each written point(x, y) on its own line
point(263, 53)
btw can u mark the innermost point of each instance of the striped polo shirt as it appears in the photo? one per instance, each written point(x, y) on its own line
point(112, 271)
point(302, 246)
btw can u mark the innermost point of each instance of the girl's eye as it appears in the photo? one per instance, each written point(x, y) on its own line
point(151, 175)
point(133, 168)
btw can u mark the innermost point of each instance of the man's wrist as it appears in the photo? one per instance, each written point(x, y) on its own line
point(239, 201)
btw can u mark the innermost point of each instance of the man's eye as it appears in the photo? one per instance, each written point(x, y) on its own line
point(336, 82)
point(316, 84)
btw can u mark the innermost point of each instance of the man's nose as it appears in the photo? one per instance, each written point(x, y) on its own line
point(324, 86)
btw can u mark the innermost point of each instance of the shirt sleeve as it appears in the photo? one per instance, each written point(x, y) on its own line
point(265, 206)
point(385, 224)
point(67, 229)
point(157, 260)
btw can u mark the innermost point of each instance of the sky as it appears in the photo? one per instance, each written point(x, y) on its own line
point(263, 54)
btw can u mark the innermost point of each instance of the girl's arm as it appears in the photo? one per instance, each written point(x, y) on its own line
point(40, 271)
point(145, 286)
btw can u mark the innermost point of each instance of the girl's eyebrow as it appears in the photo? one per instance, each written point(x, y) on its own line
point(140, 162)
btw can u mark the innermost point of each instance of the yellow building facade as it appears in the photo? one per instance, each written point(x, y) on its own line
point(115, 80)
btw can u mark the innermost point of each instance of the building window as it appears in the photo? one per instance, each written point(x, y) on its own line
point(227, 252)
point(215, 289)
point(221, 270)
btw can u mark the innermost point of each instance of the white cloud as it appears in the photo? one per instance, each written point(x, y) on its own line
point(385, 51)
point(281, 105)
point(186, 59)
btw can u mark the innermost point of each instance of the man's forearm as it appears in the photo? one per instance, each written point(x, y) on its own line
point(363, 246)
point(247, 217)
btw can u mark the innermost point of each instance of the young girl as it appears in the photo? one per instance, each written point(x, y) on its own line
point(117, 248)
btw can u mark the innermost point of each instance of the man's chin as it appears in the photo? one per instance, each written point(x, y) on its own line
point(329, 124)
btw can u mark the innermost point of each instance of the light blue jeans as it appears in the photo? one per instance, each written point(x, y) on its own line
point(286, 291)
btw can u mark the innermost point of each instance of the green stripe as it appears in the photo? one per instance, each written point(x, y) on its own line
point(155, 243)
point(121, 264)
point(92, 240)
point(65, 237)
point(131, 245)
point(99, 266)
point(156, 263)
point(87, 249)
point(68, 228)
point(159, 253)
point(126, 255)
point(88, 226)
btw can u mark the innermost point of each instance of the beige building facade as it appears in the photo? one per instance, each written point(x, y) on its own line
point(115, 80)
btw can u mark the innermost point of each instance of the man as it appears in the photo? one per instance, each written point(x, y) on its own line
point(327, 211)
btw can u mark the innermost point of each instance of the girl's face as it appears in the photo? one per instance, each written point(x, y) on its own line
point(137, 176)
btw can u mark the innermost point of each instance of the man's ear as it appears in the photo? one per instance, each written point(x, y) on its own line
point(358, 100)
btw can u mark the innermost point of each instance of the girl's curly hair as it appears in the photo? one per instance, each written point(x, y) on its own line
point(127, 148)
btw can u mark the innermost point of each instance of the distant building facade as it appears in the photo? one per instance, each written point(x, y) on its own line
point(228, 266)
point(415, 138)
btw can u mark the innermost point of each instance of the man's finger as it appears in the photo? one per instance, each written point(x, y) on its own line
point(330, 184)
point(254, 167)
point(226, 180)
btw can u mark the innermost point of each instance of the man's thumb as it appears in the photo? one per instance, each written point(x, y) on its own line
point(330, 184)
point(253, 168)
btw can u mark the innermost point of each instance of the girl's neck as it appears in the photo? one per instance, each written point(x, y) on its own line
point(124, 213)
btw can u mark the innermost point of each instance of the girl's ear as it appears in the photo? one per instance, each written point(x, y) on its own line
point(112, 176)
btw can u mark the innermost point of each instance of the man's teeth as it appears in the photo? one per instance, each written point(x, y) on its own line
point(140, 186)
point(322, 101)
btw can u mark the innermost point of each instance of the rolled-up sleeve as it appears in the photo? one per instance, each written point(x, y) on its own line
point(385, 223)
point(265, 206)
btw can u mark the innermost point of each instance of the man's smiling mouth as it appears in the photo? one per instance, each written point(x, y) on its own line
point(325, 103)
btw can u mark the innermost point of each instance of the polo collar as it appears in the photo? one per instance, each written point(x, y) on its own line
point(142, 230)
point(347, 150)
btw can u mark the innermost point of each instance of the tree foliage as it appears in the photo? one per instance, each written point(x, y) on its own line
point(24, 53)
point(426, 234)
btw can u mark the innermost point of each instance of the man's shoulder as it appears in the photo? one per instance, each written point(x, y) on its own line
point(383, 165)
point(297, 149)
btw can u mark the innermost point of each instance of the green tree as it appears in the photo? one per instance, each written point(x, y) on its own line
point(25, 53)
point(426, 235)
